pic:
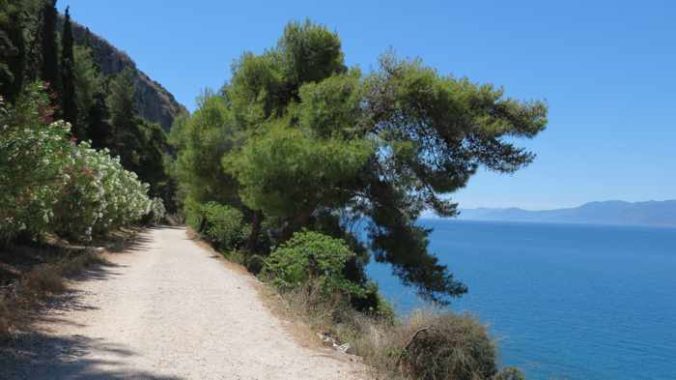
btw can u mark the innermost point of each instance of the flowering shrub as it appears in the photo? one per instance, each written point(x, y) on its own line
point(99, 196)
point(33, 153)
point(50, 184)
point(157, 210)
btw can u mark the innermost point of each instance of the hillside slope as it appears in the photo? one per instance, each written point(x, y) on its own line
point(153, 101)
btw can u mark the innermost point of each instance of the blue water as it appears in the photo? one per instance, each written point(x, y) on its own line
point(563, 301)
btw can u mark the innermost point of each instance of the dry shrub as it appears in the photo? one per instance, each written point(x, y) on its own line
point(446, 346)
point(79, 263)
point(44, 279)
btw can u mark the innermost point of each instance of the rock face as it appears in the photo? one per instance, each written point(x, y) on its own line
point(153, 102)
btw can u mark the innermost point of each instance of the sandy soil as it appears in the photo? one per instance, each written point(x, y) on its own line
point(166, 309)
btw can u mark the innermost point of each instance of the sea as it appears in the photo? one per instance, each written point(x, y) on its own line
point(563, 301)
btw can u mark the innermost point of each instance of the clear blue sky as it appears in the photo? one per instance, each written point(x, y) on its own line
point(606, 68)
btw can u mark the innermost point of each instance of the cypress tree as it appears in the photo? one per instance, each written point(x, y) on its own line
point(99, 129)
point(12, 49)
point(68, 101)
point(49, 69)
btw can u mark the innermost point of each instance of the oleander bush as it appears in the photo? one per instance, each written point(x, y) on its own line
point(99, 196)
point(33, 154)
point(48, 183)
point(158, 212)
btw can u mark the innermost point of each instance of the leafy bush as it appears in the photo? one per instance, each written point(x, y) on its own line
point(222, 224)
point(157, 211)
point(49, 184)
point(99, 196)
point(447, 346)
point(255, 263)
point(312, 258)
point(33, 153)
point(194, 214)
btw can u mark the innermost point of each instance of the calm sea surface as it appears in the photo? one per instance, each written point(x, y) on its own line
point(564, 301)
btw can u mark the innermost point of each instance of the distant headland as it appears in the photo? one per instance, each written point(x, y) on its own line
point(651, 213)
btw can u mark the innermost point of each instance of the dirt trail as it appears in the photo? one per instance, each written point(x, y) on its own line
point(167, 309)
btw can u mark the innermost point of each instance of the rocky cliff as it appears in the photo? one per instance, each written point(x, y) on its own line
point(153, 102)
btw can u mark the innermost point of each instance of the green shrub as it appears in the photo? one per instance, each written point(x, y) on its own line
point(194, 214)
point(33, 153)
point(312, 258)
point(50, 184)
point(223, 225)
point(447, 346)
point(254, 263)
point(157, 212)
point(100, 195)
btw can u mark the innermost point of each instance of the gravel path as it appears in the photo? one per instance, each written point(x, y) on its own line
point(166, 309)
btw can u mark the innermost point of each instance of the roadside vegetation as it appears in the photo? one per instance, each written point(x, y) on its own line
point(303, 169)
point(76, 162)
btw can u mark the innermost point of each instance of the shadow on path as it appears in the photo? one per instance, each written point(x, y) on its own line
point(41, 356)
point(36, 354)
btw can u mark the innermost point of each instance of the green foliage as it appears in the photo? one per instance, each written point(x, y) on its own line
point(49, 69)
point(285, 173)
point(221, 224)
point(257, 89)
point(122, 108)
point(13, 24)
point(254, 263)
point(309, 53)
point(99, 196)
point(33, 154)
point(140, 144)
point(310, 258)
point(448, 346)
point(48, 184)
point(88, 84)
point(201, 141)
point(68, 95)
point(301, 137)
point(332, 107)
point(157, 211)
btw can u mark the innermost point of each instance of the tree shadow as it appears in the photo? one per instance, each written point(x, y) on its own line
point(40, 356)
point(37, 354)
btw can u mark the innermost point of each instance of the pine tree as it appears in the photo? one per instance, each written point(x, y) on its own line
point(49, 69)
point(68, 95)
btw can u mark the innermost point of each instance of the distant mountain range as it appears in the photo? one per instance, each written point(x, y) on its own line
point(654, 213)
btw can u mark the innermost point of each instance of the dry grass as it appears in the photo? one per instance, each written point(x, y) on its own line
point(44, 280)
point(429, 345)
point(30, 274)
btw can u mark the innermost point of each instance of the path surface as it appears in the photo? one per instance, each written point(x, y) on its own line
point(167, 309)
